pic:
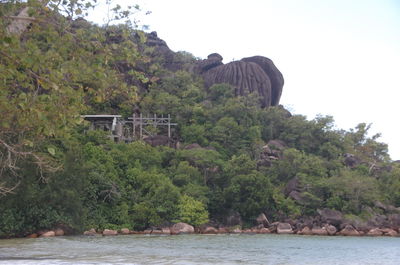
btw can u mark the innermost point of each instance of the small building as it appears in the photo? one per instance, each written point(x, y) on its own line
point(113, 124)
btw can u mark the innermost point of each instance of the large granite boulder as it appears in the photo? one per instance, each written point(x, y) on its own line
point(182, 228)
point(254, 74)
point(274, 75)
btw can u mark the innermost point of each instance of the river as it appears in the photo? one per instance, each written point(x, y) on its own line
point(202, 249)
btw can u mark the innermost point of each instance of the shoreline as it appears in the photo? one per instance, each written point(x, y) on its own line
point(275, 228)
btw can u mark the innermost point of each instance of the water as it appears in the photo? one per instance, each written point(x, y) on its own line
point(201, 249)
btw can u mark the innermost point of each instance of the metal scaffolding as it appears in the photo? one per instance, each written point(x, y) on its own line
point(135, 128)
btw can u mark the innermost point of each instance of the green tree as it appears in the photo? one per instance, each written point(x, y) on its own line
point(192, 211)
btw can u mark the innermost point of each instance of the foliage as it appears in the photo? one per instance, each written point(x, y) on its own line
point(53, 172)
point(192, 211)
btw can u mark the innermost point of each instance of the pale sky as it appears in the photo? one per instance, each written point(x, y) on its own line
point(338, 57)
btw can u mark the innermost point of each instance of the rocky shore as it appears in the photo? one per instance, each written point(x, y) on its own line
point(327, 223)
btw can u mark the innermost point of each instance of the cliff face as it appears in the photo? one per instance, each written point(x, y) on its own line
point(255, 74)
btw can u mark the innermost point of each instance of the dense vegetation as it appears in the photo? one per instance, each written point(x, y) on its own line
point(54, 172)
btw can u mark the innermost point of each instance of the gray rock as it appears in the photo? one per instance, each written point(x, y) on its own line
point(284, 228)
point(182, 228)
point(331, 216)
point(262, 220)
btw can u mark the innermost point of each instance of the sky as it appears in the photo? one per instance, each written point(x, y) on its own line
point(338, 57)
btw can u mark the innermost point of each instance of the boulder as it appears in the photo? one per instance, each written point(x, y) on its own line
point(157, 232)
point(305, 231)
point(59, 232)
point(273, 227)
point(233, 219)
point(319, 231)
point(349, 230)
point(298, 197)
point(213, 60)
point(375, 232)
point(91, 232)
point(158, 140)
point(394, 220)
point(276, 144)
point(331, 230)
point(192, 146)
point(379, 220)
point(284, 228)
point(166, 230)
point(244, 77)
point(210, 230)
point(236, 231)
point(292, 185)
point(248, 231)
point(329, 216)
point(263, 231)
point(275, 76)
point(125, 231)
point(48, 234)
point(262, 220)
point(380, 205)
point(389, 232)
point(182, 228)
point(34, 235)
point(223, 230)
point(109, 232)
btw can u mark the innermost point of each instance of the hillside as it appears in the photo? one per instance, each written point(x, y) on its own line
point(236, 152)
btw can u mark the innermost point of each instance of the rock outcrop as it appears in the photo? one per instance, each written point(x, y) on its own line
point(250, 75)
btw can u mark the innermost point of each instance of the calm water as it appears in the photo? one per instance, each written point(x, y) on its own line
point(201, 249)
